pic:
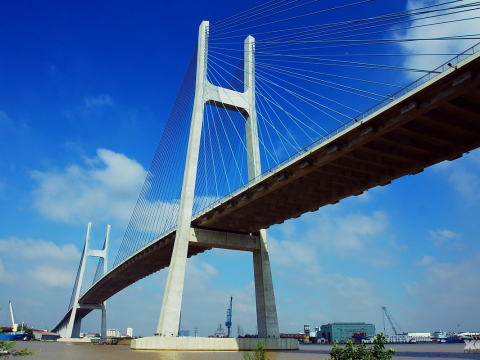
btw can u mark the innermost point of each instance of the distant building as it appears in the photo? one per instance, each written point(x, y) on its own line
point(343, 331)
point(184, 333)
point(130, 332)
point(113, 333)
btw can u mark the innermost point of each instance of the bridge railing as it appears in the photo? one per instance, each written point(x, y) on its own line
point(430, 75)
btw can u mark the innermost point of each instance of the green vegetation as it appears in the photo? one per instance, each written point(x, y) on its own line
point(6, 349)
point(361, 351)
point(258, 353)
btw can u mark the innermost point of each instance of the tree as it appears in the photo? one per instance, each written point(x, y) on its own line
point(258, 353)
point(362, 352)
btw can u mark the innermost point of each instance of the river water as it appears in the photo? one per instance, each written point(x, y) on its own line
point(66, 351)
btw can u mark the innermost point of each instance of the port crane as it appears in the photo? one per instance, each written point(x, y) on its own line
point(390, 317)
point(14, 324)
point(228, 323)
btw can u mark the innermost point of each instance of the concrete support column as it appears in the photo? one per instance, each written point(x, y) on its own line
point(77, 324)
point(103, 332)
point(172, 299)
point(267, 321)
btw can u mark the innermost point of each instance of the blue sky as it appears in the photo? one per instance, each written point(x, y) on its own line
point(85, 93)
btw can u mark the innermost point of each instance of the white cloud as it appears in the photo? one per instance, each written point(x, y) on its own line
point(352, 235)
point(97, 101)
point(435, 31)
point(38, 262)
point(38, 277)
point(466, 183)
point(349, 233)
point(449, 288)
point(295, 249)
point(209, 270)
point(446, 238)
point(5, 277)
point(426, 260)
point(7, 123)
point(463, 175)
point(31, 249)
point(291, 253)
point(52, 276)
point(106, 188)
point(5, 119)
point(345, 298)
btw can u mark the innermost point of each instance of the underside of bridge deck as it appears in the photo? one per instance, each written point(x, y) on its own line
point(437, 121)
point(157, 256)
point(146, 262)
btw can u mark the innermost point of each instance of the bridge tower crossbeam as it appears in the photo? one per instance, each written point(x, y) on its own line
point(244, 103)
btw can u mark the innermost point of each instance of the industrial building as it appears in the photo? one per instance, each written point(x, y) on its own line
point(343, 331)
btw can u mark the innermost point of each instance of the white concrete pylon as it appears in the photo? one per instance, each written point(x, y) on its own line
point(172, 298)
point(207, 93)
point(267, 321)
point(72, 330)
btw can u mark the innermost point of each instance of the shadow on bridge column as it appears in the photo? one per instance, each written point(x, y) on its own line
point(267, 321)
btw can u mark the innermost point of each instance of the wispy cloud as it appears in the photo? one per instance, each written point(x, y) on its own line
point(449, 288)
point(463, 175)
point(427, 259)
point(446, 238)
point(39, 262)
point(98, 101)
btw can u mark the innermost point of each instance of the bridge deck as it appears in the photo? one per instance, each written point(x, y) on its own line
point(435, 122)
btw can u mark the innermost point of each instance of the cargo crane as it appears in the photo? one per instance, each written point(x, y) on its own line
point(390, 317)
point(14, 324)
point(228, 323)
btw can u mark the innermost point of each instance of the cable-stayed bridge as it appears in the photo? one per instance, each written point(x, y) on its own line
point(268, 127)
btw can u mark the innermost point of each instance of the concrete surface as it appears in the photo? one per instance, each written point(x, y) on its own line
point(211, 344)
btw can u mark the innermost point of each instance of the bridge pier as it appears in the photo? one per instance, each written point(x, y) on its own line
point(267, 321)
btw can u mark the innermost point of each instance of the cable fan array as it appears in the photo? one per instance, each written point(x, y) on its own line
point(318, 68)
point(312, 79)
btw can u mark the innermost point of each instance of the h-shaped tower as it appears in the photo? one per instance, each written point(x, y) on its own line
point(207, 93)
point(69, 326)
